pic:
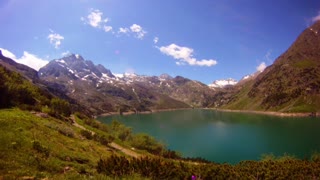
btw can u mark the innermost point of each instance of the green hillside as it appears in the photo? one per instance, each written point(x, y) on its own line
point(17, 91)
point(291, 84)
point(37, 147)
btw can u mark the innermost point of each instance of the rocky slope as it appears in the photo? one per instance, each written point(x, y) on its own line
point(290, 84)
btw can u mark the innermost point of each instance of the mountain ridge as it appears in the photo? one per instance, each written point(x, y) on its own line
point(290, 84)
point(105, 92)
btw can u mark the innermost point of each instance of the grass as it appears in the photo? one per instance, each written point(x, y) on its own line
point(243, 102)
point(44, 147)
point(304, 64)
point(304, 104)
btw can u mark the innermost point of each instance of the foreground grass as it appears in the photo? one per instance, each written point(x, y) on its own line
point(38, 147)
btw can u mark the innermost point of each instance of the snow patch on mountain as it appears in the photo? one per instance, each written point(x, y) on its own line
point(223, 83)
point(61, 61)
point(119, 75)
point(246, 77)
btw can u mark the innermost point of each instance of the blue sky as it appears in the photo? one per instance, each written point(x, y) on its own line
point(202, 40)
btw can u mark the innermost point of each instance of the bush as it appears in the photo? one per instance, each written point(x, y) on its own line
point(66, 131)
point(45, 109)
point(121, 131)
point(154, 168)
point(148, 143)
point(159, 168)
point(87, 134)
point(60, 107)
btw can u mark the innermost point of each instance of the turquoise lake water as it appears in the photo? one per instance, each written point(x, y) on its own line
point(227, 136)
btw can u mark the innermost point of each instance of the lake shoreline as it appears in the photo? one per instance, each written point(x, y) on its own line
point(141, 112)
point(272, 113)
point(212, 134)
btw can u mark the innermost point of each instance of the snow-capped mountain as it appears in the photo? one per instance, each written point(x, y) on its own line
point(74, 67)
point(98, 88)
point(223, 83)
point(248, 77)
point(165, 77)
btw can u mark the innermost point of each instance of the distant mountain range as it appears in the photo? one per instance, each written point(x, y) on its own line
point(290, 84)
point(101, 91)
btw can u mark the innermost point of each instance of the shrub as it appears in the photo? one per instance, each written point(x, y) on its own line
point(60, 107)
point(148, 143)
point(87, 134)
point(66, 131)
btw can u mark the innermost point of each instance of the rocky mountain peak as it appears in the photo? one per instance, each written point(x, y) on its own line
point(165, 76)
point(306, 46)
point(74, 66)
point(103, 70)
point(179, 80)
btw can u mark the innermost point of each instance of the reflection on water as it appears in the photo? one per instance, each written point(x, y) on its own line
point(226, 136)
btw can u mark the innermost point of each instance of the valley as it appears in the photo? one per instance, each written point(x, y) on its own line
point(53, 122)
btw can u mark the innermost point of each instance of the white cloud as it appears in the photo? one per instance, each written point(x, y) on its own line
point(176, 51)
point(107, 28)
point(123, 30)
point(32, 61)
point(95, 19)
point(316, 18)
point(185, 55)
point(134, 29)
point(28, 59)
point(155, 40)
point(55, 39)
point(261, 67)
point(138, 30)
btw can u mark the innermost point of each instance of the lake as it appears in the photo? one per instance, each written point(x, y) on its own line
point(227, 136)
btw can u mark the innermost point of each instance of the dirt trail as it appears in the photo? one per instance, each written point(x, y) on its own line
point(125, 150)
point(112, 144)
